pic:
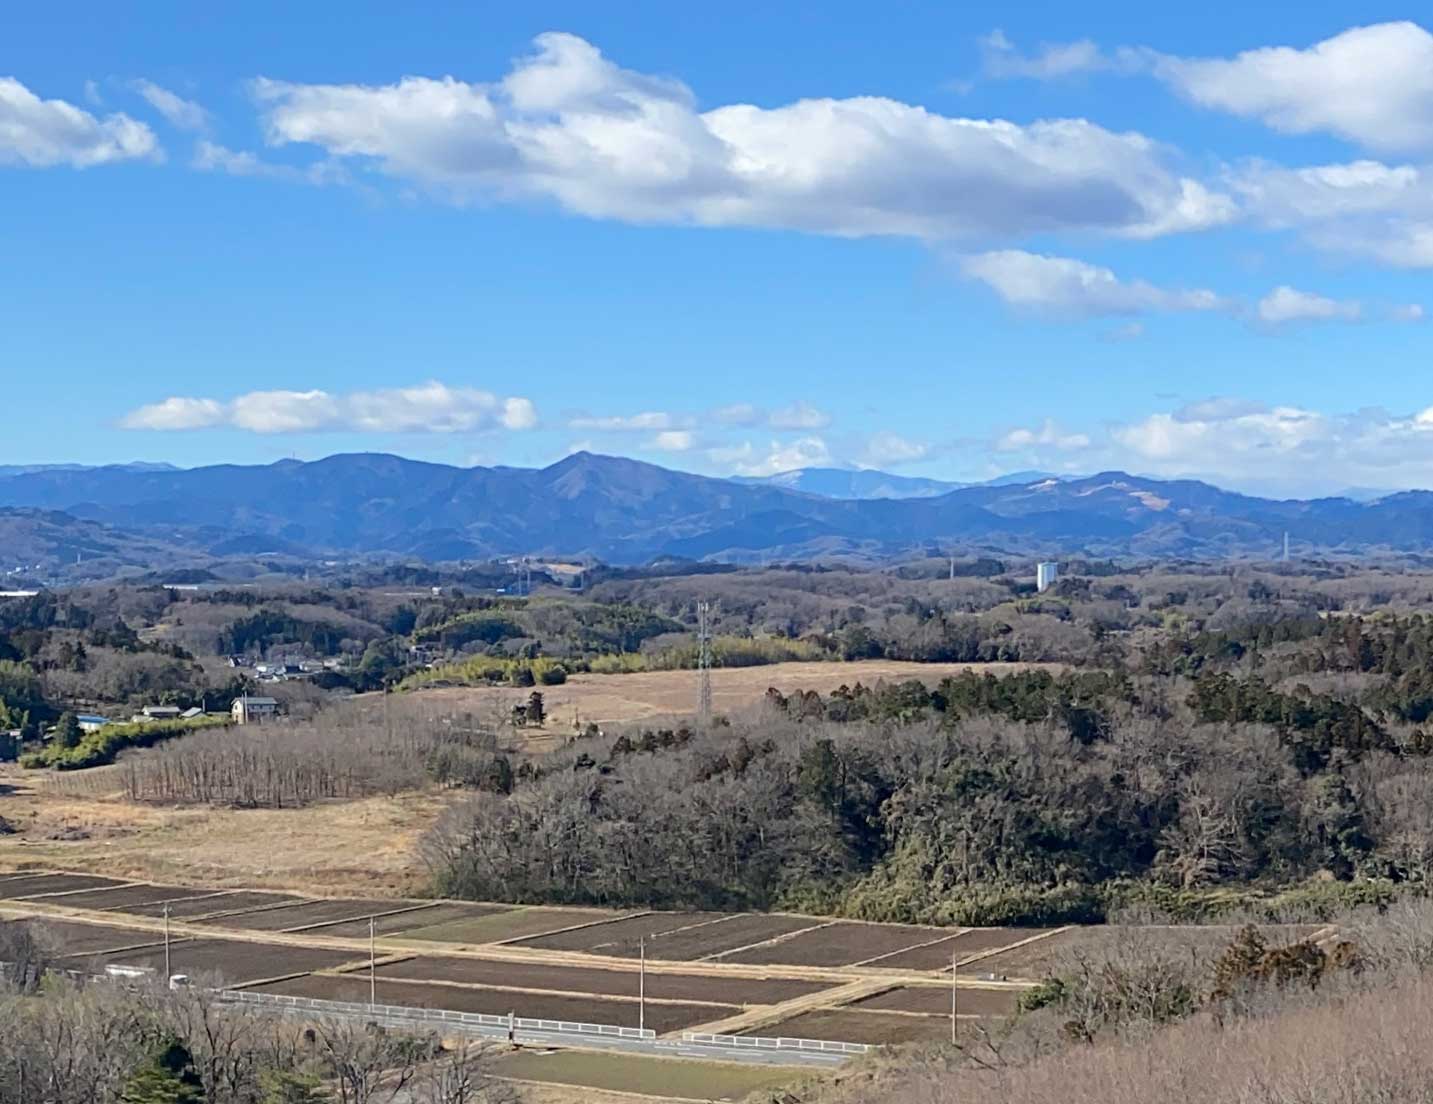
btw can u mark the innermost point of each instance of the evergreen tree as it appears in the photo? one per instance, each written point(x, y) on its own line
point(68, 732)
point(279, 1087)
point(168, 1077)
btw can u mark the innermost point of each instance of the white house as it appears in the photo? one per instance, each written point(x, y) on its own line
point(252, 710)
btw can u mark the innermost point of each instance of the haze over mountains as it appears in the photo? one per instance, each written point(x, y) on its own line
point(624, 511)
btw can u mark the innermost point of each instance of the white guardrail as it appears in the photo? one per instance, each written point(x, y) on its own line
point(755, 1042)
point(435, 1016)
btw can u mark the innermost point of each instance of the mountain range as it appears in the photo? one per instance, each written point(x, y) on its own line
point(868, 483)
point(623, 511)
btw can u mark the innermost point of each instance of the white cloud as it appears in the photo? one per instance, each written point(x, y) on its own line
point(673, 440)
point(798, 415)
point(1000, 58)
point(887, 449)
point(568, 125)
point(1283, 448)
point(1371, 85)
point(1047, 435)
point(1407, 312)
point(777, 457)
point(179, 112)
point(42, 133)
point(1284, 305)
point(427, 408)
point(631, 423)
point(1062, 285)
point(177, 413)
point(739, 414)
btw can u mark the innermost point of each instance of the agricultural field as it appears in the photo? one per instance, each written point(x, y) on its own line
point(706, 988)
point(21, 886)
point(622, 1012)
point(311, 914)
point(213, 904)
point(511, 924)
point(844, 1025)
point(127, 897)
point(934, 1000)
point(235, 962)
point(653, 695)
point(838, 944)
point(667, 1078)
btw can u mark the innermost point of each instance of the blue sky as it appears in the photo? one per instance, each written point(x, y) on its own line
point(946, 240)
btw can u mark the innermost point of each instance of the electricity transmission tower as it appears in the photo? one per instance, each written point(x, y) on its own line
point(704, 661)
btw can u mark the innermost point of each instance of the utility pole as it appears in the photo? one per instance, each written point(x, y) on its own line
point(168, 973)
point(642, 988)
point(372, 962)
point(704, 661)
point(954, 989)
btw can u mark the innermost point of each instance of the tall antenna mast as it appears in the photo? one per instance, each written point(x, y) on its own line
point(704, 661)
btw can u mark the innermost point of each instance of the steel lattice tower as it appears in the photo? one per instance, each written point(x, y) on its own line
point(704, 661)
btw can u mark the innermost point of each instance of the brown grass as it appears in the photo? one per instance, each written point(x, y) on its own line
point(368, 846)
point(654, 695)
point(1371, 1048)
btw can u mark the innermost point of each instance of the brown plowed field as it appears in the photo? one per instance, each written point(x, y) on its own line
point(938, 955)
point(724, 935)
point(123, 897)
point(309, 914)
point(875, 1028)
point(499, 1002)
point(935, 1001)
point(837, 944)
point(71, 938)
point(27, 885)
point(622, 938)
point(621, 983)
point(514, 923)
point(210, 906)
point(234, 961)
point(401, 922)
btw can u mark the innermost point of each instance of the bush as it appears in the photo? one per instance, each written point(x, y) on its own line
point(102, 745)
point(553, 676)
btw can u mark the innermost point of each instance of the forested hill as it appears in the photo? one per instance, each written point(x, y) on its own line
point(624, 511)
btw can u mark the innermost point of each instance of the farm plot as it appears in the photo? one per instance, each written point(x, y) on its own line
point(236, 962)
point(512, 924)
point(839, 944)
point(402, 922)
point(120, 898)
point(874, 1028)
point(73, 938)
point(653, 1077)
point(213, 904)
point(308, 914)
point(1044, 956)
point(622, 983)
point(499, 1002)
point(30, 885)
point(934, 1000)
point(622, 938)
point(976, 941)
point(723, 936)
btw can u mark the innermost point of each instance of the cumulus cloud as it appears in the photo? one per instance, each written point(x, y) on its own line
point(1047, 435)
point(628, 423)
point(673, 440)
point(1286, 305)
point(887, 449)
point(43, 133)
point(427, 408)
point(777, 457)
point(570, 126)
point(1370, 85)
point(1263, 447)
point(1062, 285)
point(177, 111)
point(1407, 312)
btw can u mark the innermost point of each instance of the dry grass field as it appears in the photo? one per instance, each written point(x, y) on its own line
point(82, 822)
point(657, 695)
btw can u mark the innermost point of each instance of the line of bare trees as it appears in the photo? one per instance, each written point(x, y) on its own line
point(343, 753)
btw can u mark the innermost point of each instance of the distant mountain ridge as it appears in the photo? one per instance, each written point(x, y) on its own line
point(625, 511)
point(870, 483)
